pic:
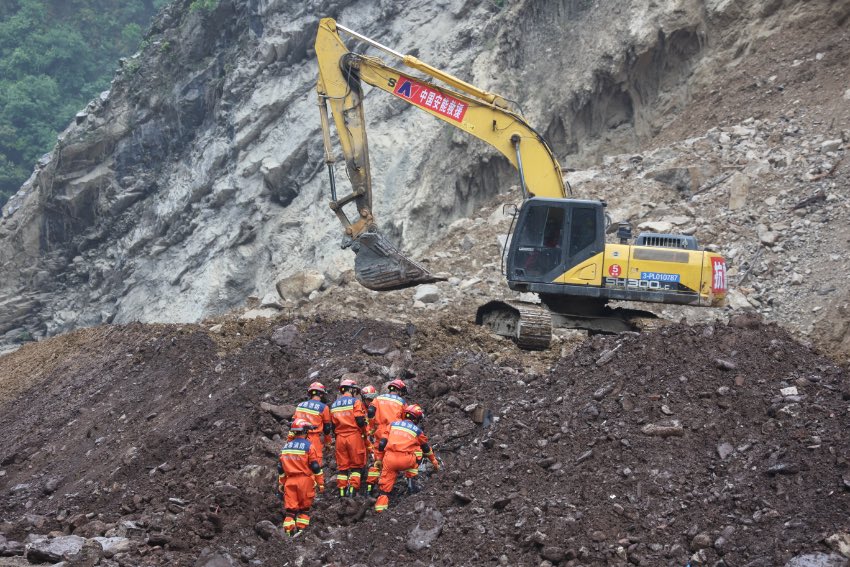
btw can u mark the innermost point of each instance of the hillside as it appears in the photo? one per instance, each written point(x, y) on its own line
point(55, 56)
point(198, 181)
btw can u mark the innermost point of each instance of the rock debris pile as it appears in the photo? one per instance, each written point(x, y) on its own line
point(155, 445)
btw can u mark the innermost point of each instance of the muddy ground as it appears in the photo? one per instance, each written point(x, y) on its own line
point(635, 449)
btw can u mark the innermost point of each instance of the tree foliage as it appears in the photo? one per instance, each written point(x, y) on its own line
point(55, 56)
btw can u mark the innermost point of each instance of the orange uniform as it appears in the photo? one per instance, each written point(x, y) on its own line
point(388, 408)
point(348, 415)
point(384, 410)
point(299, 473)
point(403, 449)
point(318, 415)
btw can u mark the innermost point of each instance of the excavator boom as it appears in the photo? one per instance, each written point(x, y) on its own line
point(379, 265)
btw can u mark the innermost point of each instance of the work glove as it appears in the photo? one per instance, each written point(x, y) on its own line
point(378, 464)
point(434, 462)
point(319, 479)
point(281, 482)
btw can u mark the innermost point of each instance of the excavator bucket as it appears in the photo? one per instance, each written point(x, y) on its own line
point(379, 265)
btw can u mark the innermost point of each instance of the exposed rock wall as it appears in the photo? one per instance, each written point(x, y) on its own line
point(198, 179)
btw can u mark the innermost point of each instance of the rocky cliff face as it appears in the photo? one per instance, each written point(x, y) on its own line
point(198, 179)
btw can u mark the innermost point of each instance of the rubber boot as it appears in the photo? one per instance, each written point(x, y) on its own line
point(302, 521)
point(382, 503)
point(342, 483)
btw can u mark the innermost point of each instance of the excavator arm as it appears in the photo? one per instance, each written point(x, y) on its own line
point(487, 116)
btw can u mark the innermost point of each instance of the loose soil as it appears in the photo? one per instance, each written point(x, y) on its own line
point(163, 426)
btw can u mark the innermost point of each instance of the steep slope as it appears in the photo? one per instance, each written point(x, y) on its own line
point(197, 180)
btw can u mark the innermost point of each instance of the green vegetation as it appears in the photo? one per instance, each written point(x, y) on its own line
point(203, 5)
point(55, 56)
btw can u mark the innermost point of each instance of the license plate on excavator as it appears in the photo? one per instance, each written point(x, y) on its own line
point(380, 266)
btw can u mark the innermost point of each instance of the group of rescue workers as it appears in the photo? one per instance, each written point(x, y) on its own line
point(364, 426)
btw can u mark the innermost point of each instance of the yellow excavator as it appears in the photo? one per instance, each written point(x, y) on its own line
point(557, 245)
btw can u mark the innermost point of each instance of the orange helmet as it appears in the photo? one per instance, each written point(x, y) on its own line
point(350, 385)
point(397, 386)
point(413, 412)
point(369, 392)
point(300, 426)
point(316, 389)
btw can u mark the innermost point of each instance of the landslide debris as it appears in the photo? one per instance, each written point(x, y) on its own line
point(718, 444)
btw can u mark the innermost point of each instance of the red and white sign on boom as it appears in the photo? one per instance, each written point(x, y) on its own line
point(427, 97)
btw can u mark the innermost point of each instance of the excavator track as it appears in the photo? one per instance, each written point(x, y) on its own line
point(527, 324)
point(530, 325)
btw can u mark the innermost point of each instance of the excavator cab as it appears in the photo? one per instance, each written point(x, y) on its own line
point(553, 235)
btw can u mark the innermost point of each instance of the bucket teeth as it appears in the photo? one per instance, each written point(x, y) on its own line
point(379, 265)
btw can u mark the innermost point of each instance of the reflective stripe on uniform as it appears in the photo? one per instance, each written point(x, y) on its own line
point(309, 411)
point(293, 452)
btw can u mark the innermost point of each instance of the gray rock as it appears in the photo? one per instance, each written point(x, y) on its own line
point(427, 293)
point(683, 179)
point(271, 300)
point(300, 285)
point(113, 545)
point(427, 530)
point(739, 190)
point(9, 548)
point(265, 529)
point(437, 388)
point(286, 336)
point(55, 549)
point(247, 553)
point(724, 450)
point(701, 541)
point(831, 145)
point(266, 313)
point(655, 430)
point(51, 485)
point(36, 521)
point(92, 529)
point(88, 556)
point(839, 542)
point(817, 559)
point(725, 364)
point(553, 553)
point(208, 559)
point(283, 412)
point(378, 347)
point(656, 226)
point(767, 236)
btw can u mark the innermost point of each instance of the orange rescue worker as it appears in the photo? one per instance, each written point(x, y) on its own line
point(315, 411)
point(349, 424)
point(299, 473)
point(385, 409)
point(368, 395)
point(403, 449)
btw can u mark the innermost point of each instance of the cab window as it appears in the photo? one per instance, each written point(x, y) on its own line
point(583, 229)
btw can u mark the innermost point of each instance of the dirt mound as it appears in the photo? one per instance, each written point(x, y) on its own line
point(636, 449)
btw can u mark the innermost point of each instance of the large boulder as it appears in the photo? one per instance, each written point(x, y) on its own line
point(54, 550)
point(300, 285)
